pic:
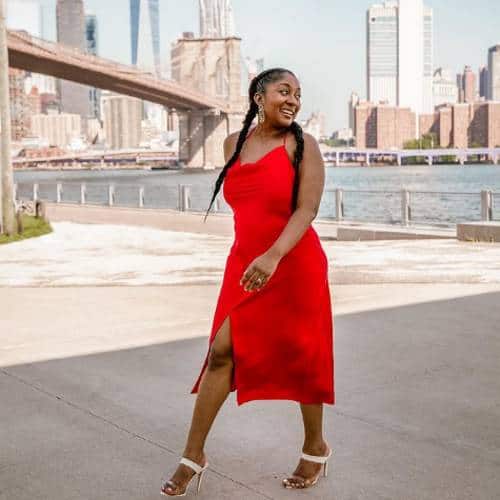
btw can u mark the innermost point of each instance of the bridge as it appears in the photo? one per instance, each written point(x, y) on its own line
point(102, 159)
point(199, 113)
point(397, 155)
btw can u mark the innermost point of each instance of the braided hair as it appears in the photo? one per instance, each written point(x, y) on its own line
point(258, 85)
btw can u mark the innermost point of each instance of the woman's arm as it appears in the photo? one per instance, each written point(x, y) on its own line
point(311, 184)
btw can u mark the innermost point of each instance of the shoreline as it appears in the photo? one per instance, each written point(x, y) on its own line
point(212, 169)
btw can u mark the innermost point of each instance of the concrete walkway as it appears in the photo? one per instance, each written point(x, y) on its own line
point(95, 380)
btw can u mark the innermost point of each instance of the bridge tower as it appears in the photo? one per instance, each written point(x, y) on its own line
point(211, 66)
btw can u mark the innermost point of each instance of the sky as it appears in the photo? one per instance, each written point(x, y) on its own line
point(322, 41)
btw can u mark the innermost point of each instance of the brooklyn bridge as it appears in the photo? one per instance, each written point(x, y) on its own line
point(205, 115)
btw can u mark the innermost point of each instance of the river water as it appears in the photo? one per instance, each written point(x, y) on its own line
point(371, 194)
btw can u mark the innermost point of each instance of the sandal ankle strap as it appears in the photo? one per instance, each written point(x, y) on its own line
point(193, 465)
point(316, 458)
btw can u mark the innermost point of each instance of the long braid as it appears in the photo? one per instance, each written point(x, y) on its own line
point(251, 113)
point(299, 153)
point(258, 85)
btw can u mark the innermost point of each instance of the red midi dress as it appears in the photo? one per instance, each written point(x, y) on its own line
point(282, 335)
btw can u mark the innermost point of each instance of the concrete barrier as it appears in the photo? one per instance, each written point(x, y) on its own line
point(479, 231)
point(350, 233)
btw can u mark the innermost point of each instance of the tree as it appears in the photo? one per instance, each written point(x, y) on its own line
point(7, 219)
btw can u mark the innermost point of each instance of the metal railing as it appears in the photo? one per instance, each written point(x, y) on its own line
point(402, 207)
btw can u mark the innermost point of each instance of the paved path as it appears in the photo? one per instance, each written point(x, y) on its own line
point(94, 387)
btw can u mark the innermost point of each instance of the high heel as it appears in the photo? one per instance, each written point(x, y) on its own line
point(306, 482)
point(199, 471)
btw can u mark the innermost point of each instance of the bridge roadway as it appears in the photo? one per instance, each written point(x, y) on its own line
point(109, 156)
point(461, 154)
point(40, 56)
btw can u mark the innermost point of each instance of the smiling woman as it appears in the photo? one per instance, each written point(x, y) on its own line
point(272, 330)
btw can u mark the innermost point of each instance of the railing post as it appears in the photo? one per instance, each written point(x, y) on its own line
point(111, 195)
point(339, 204)
point(83, 193)
point(14, 193)
point(486, 206)
point(184, 198)
point(35, 191)
point(141, 196)
point(58, 192)
point(405, 207)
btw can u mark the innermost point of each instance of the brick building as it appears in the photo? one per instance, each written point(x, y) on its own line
point(459, 125)
point(19, 105)
point(464, 125)
point(383, 126)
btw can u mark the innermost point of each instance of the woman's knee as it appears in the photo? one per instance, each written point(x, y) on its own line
point(219, 358)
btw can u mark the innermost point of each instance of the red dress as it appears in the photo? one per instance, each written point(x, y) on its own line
point(282, 335)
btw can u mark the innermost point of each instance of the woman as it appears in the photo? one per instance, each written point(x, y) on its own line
point(272, 333)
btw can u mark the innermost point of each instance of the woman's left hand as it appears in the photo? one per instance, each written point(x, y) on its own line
point(259, 271)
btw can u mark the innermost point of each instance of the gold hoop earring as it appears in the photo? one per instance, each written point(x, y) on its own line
point(262, 115)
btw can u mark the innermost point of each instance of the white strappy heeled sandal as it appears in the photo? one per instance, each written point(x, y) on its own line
point(199, 471)
point(306, 483)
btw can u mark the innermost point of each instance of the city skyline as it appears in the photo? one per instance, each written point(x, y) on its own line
point(335, 32)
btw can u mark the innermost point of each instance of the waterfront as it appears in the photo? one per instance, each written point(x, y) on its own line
point(370, 193)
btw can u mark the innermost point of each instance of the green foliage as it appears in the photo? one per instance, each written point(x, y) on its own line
point(33, 227)
point(427, 141)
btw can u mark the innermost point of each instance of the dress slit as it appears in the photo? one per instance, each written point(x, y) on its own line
point(215, 330)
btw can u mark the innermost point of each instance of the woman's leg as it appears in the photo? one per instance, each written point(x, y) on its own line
point(314, 444)
point(214, 388)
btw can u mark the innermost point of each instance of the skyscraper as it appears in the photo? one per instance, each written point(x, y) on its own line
point(216, 19)
point(91, 40)
point(400, 54)
point(483, 82)
point(494, 73)
point(382, 53)
point(92, 46)
point(467, 85)
point(145, 30)
point(70, 20)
